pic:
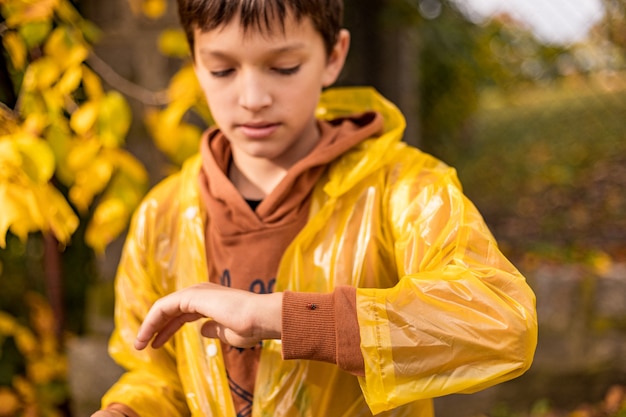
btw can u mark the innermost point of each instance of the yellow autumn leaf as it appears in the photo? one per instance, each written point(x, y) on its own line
point(601, 262)
point(91, 83)
point(59, 137)
point(184, 85)
point(25, 341)
point(35, 123)
point(41, 74)
point(59, 217)
point(25, 389)
point(173, 42)
point(91, 32)
point(41, 315)
point(153, 8)
point(184, 90)
point(70, 80)
point(61, 365)
point(37, 159)
point(202, 109)
point(8, 121)
point(114, 119)
point(32, 101)
point(16, 48)
point(65, 47)
point(30, 217)
point(55, 102)
point(84, 118)
point(7, 324)
point(19, 213)
point(108, 222)
point(89, 182)
point(10, 159)
point(165, 125)
point(123, 194)
point(29, 11)
point(10, 403)
point(82, 153)
point(161, 130)
point(68, 13)
point(39, 371)
point(187, 142)
point(34, 33)
point(126, 164)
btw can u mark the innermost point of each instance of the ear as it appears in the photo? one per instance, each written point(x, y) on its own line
point(337, 58)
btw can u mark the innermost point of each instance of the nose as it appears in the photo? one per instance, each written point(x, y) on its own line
point(254, 94)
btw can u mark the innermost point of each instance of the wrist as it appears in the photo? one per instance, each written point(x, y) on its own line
point(268, 315)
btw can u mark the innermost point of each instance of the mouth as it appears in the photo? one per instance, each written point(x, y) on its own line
point(258, 130)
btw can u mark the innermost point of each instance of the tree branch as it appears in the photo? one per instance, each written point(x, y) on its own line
point(7, 109)
point(124, 86)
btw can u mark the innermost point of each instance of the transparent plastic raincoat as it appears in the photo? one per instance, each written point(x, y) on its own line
point(440, 309)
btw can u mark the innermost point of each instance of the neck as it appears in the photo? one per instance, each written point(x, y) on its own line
point(255, 179)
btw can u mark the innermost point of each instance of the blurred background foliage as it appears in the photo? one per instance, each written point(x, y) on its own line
point(535, 129)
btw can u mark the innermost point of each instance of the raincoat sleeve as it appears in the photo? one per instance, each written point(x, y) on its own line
point(151, 385)
point(461, 317)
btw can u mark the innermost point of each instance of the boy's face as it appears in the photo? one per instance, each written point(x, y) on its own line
point(263, 87)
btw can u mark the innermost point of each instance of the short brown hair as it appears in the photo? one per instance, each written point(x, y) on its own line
point(206, 15)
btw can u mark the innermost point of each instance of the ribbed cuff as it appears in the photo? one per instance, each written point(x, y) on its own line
point(323, 327)
point(349, 356)
point(308, 326)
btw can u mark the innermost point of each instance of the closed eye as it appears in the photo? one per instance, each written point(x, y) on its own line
point(222, 73)
point(287, 71)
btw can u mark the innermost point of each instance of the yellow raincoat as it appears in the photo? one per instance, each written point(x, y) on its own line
point(440, 309)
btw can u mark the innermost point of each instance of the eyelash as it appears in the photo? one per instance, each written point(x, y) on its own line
point(281, 71)
point(287, 71)
point(222, 74)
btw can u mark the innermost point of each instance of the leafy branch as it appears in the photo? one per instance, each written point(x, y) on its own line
point(123, 85)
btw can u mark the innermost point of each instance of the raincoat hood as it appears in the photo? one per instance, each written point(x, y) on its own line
point(343, 102)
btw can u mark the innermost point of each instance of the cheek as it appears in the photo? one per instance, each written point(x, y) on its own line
point(218, 108)
point(304, 92)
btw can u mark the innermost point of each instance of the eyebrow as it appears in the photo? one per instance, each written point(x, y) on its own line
point(277, 51)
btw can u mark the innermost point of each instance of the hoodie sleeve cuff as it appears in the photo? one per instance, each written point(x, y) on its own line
point(323, 327)
point(308, 326)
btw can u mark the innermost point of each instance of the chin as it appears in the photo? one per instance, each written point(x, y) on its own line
point(262, 151)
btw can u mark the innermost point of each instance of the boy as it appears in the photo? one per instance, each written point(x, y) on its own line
point(342, 273)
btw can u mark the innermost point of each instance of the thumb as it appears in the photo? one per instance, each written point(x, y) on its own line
point(210, 329)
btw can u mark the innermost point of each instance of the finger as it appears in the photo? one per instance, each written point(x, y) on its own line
point(161, 312)
point(209, 329)
point(163, 330)
point(172, 327)
point(214, 330)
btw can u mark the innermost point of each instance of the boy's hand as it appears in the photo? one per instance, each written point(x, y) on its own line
point(107, 413)
point(239, 318)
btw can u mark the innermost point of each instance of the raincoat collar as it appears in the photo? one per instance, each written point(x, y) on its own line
point(364, 158)
point(371, 154)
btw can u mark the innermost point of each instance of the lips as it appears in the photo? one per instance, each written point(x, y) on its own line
point(258, 130)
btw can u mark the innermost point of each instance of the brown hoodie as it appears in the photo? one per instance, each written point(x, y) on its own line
point(244, 248)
